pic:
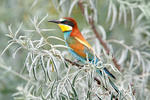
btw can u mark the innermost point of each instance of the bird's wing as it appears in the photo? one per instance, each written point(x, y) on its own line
point(87, 47)
point(80, 47)
point(84, 42)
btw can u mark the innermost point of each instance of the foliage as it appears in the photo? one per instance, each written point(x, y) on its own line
point(33, 64)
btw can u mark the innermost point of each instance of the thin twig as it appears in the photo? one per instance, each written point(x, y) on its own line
point(16, 74)
point(79, 66)
point(74, 63)
point(98, 36)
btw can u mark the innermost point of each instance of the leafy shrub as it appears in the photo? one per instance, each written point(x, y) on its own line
point(41, 67)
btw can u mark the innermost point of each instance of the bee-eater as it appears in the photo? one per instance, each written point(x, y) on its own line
point(79, 47)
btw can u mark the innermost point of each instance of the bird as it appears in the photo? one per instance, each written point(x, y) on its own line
point(78, 45)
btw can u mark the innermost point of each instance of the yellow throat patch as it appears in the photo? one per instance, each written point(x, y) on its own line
point(65, 27)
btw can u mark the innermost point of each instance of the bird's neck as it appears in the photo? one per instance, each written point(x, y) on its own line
point(67, 34)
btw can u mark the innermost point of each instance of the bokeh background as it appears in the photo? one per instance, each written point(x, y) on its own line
point(125, 25)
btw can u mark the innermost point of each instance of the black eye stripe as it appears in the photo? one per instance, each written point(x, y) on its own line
point(71, 23)
point(67, 23)
point(64, 22)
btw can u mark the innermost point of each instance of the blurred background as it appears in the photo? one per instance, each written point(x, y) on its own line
point(123, 24)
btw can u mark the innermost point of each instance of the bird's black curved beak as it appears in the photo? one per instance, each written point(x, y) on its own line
point(54, 21)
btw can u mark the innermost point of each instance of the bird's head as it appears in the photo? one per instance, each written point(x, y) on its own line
point(66, 24)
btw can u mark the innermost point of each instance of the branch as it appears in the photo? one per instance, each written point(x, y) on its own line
point(98, 36)
point(80, 66)
point(95, 78)
point(74, 63)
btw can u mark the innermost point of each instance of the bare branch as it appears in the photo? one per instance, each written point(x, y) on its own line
point(98, 36)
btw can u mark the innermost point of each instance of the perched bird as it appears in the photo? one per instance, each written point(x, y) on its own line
point(79, 47)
